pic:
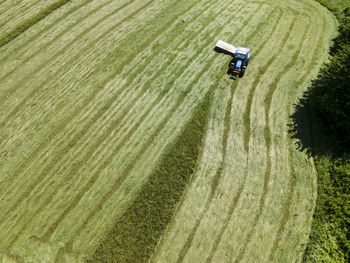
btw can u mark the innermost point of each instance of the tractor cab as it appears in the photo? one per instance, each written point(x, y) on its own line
point(239, 62)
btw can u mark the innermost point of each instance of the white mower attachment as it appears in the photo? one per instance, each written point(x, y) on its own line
point(226, 48)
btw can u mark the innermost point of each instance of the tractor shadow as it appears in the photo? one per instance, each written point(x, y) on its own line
point(220, 51)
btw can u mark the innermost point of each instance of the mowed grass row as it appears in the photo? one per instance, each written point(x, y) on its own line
point(73, 46)
point(65, 138)
point(300, 225)
point(38, 30)
point(19, 17)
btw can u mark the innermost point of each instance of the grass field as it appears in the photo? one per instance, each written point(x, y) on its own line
point(98, 100)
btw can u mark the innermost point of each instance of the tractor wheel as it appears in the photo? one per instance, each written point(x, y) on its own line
point(241, 74)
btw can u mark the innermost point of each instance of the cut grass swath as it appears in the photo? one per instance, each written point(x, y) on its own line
point(26, 25)
point(247, 125)
point(132, 239)
point(292, 183)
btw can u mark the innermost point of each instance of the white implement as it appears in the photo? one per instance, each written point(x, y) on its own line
point(225, 47)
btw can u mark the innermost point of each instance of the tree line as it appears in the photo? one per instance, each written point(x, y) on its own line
point(330, 99)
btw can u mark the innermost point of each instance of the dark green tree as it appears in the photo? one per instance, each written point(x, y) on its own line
point(331, 90)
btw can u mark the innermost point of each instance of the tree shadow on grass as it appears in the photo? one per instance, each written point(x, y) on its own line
point(309, 134)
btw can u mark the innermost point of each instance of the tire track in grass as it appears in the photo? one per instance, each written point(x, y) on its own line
point(120, 180)
point(240, 190)
point(267, 106)
point(26, 25)
point(125, 139)
point(267, 174)
point(11, 91)
point(132, 240)
point(292, 182)
point(262, 71)
point(36, 182)
point(46, 29)
point(216, 179)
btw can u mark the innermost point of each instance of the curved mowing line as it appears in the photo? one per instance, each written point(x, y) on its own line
point(292, 183)
point(182, 199)
point(43, 65)
point(268, 151)
point(125, 139)
point(216, 179)
point(26, 25)
point(29, 189)
point(70, 117)
point(269, 96)
point(240, 190)
point(47, 28)
point(261, 70)
point(67, 29)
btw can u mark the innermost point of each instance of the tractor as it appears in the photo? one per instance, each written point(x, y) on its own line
point(239, 62)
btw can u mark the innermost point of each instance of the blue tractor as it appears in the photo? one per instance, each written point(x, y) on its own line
point(240, 59)
point(239, 62)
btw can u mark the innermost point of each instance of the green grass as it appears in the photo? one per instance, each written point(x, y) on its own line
point(107, 136)
point(335, 6)
point(32, 21)
point(329, 239)
point(134, 240)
